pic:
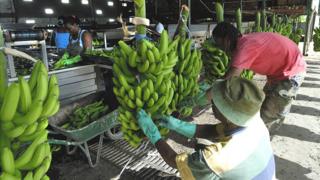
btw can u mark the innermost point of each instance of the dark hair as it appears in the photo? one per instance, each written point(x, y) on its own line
point(71, 20)
point(61, 20)
point(227, 30)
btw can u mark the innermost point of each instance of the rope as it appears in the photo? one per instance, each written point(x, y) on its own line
point(204, 4)
point(140, 21)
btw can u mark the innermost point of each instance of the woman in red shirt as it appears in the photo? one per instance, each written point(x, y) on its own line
point(268, 54)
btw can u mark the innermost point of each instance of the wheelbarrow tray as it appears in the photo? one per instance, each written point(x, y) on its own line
point(89, 131)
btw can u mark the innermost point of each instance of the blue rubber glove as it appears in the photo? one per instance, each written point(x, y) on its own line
point(184, 128)
point(148, 127)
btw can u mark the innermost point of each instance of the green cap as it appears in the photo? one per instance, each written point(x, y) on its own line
point(238, 99)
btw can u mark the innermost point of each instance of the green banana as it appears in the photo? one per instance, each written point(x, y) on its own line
point(34, 75)
point(29, 176)
point(49, 105)
point(219, 12)
point(4, 141)
point(55, 109)
point(150, 56)
point(31, 116)
point(150, 86)
point(139, 103)
point(14, 132)
point(43, 124)
point(37, 158)
point(164, 42)
point(150, 103)
point(124, 82)
point(124, 67)
point(152, 68)
point(7, 161)
point(45, 177)
point(118, 72)
point(30, 129)
point(132, 94)
point(7, 176)
point(39, 173)
point(127, 49)
point(25, 95)
point(146, 94)
point(41, 87)
point(138, 92)
point(133, 59)
point(239, 19)
point(142, 68)
point(156, 54)
point(27, 154)
point(10, 103)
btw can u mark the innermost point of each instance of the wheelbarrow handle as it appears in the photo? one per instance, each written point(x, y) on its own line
point(63, 142)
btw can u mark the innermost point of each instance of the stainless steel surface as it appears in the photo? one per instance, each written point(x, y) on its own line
point(75, 83)
point(147, 164)
point(75, 79)
point(12, 70)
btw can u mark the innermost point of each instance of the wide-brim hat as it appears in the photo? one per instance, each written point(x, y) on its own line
point(238, 99)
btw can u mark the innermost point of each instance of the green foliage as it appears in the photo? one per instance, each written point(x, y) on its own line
point(316, 39)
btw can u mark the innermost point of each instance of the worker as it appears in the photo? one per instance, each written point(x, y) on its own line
point(268, 54)
point(241, 148)
point(61, 36)
point(80, 40)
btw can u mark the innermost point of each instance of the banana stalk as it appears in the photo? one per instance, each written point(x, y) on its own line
point(219, 12)
point(140, 11)
point(239, 19)
point(183, 22)
point(258, 23)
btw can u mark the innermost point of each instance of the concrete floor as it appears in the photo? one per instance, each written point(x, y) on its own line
point(296, 146)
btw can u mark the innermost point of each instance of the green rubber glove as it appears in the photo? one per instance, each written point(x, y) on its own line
point(184, 128)
point(148, 127)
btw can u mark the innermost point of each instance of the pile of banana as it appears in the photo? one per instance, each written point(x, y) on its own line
point(186, 76)
point(247, 74)
point(25, 108)
point(142, 80)
point(83, 116)
point(216, 61)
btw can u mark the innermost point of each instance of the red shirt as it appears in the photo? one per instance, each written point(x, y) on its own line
point(269, 54)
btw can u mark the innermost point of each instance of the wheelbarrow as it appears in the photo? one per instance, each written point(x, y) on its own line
point(106, 125)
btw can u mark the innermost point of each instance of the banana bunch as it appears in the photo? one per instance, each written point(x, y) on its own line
point(187, 72)
point(142, 80)
point(185, 111)
point(216, 61)
point(247, 74)
point(24, 114)
point(83, 116)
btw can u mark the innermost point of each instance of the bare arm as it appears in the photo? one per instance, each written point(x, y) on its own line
point(206, 131)
point(233, 72)
point(167, 153)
